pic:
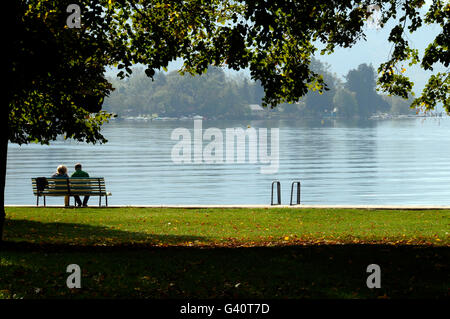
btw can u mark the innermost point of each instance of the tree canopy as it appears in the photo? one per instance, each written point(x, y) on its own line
point(56, 76)
point(363, 82)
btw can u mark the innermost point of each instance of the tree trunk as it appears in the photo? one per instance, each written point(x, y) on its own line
point(15, 80)
point(3, 159)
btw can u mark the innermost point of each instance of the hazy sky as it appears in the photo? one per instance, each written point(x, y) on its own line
point(376, 50)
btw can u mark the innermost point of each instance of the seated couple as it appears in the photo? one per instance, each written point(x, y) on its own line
point(61, 171)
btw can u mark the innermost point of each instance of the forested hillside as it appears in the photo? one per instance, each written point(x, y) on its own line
point(217, 95)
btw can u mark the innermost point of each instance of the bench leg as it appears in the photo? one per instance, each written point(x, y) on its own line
point(44, 202)
point(99, 201)
point(106, 199)
point(37, 200)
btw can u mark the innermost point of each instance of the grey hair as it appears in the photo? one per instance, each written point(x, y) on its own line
point(61, 169)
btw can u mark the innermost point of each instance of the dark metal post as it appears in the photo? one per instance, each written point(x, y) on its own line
point(278, 193)
point(100, 190)
point(37, 191)
point(298, 192)
point(68, 194)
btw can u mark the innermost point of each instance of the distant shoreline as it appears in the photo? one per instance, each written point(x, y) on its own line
point(384, 116)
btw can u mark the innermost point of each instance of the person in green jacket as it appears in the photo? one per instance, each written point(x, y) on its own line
point(80, 173)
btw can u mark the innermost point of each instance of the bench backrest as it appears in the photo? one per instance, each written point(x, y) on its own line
point(72, 186)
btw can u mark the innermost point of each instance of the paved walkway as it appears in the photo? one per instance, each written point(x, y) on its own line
point(399, 207)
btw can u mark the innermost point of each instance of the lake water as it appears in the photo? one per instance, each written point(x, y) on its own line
point(338, 162)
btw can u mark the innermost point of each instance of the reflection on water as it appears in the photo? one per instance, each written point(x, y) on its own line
point(352, 162)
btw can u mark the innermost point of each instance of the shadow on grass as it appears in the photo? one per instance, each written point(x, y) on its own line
point(69, 234)
point(37, 271)
point(34, 257)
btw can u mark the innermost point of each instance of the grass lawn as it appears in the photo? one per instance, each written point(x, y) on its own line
point(224, 253)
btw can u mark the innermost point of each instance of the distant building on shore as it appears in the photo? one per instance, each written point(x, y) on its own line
point(256, 108)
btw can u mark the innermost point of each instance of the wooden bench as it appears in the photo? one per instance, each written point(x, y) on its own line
point(81, 186)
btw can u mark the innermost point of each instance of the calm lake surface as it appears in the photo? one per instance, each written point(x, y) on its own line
point(403, 161)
